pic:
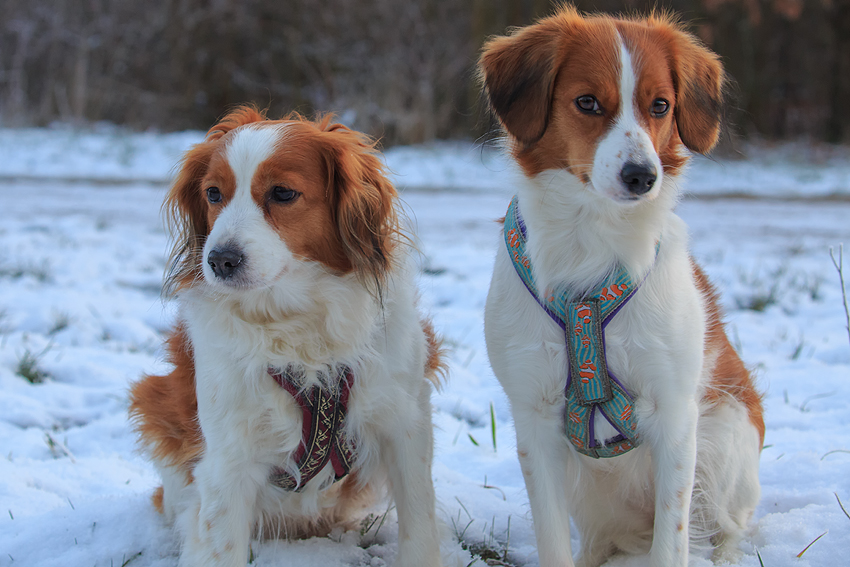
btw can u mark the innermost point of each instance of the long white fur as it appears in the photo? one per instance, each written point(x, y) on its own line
point(293, 311)
point(640, 501)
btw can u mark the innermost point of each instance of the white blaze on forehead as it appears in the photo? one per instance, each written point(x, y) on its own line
point(628, 82)
point(627, 141)
point(241, 224)
point(250, 147)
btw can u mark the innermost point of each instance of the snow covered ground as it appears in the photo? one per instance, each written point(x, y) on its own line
point(107, 154)
point(81, 258)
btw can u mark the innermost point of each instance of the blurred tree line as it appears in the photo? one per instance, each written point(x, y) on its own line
point(400, 69)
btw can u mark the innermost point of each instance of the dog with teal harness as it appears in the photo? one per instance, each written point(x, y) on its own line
point(591, 387)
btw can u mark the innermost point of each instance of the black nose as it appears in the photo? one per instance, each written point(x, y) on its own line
point(638, 178)
point(225, 262)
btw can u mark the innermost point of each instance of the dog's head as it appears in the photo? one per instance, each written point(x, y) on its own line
point(260, 196)
point(609, 100)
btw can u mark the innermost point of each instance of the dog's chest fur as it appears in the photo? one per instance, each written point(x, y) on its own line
point(243, 409)
point(663, 321)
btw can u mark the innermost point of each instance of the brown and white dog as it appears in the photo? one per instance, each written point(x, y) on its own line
point(288, 255)
point(598, 113)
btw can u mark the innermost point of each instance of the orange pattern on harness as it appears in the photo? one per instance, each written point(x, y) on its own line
point(612, 292)
point(584, 314)
point(587, 371)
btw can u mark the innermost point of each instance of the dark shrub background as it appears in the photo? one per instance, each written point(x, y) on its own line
point(402, 70)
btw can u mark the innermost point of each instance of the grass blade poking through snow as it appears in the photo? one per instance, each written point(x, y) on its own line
point(491, 487)
point(842, 505)
point(805, 549)
point(493, 425)
point(839, 266)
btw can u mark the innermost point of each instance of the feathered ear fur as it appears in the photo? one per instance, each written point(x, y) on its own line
point(698, 78)
point(518, 73)
point(185, 207)
point(363, 201)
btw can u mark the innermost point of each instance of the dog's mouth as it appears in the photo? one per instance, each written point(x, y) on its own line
point(619, 195)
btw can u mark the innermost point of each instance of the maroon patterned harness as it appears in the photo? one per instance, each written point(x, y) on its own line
point(322, 433)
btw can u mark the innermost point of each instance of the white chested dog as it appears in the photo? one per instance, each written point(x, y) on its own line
point(598, 113)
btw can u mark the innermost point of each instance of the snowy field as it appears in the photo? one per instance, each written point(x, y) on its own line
point(81, 259)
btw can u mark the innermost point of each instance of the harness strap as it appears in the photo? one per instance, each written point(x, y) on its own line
point(591, 386)
point(323, 438)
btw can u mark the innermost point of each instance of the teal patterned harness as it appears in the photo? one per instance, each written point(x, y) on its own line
point(591, 387)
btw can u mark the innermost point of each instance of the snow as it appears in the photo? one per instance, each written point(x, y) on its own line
point(109, 154)
point(82, 252)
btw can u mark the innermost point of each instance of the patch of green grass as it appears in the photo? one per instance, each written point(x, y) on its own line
point(371, 521)
point(489, 551)
point(40, 272)
point(28, 367)
point(763, 289)
point(760, 300)
point(61, 321)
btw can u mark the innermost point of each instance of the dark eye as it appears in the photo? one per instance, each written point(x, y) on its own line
point(588, 104)
point(659, 107)
point(213, 195)
point(283, 195)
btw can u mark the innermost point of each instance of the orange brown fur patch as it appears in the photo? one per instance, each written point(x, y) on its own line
point(164, 410)
point(344, 216)
point(156, 499)
point(533, 77)
point(730, 378)
point(436, 366)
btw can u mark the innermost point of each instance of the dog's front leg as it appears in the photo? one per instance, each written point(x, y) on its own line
point(220, 524)
point(407, 453)
point(673, 447)
point(543, 456)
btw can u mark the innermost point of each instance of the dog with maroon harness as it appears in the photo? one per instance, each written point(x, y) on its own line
point(302, 369)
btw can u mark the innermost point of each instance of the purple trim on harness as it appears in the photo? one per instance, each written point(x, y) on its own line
point(520, 222)
point(591, 427)
point(561, 323)
point(616, 310)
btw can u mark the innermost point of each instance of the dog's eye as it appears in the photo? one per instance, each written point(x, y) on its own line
point(588, 104)
point(283, 194)
point(659, 107)
point(213, 195)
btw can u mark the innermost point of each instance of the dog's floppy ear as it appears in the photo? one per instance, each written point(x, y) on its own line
point(518, 74)
point(185, 206)
point(185, 212)
point(363, 202)
point(698, 78)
